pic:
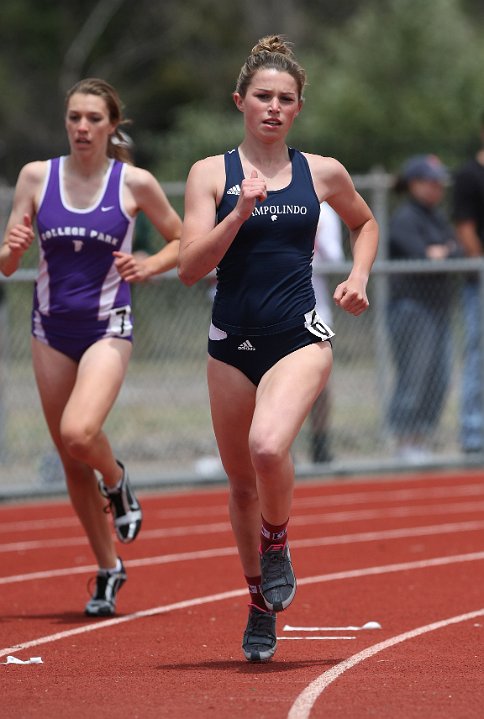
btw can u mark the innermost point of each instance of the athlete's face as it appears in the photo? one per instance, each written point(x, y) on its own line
point(271, 103)
point(87, 123)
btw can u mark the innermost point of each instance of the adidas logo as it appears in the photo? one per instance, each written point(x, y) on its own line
point(235, 190)
point(246, 346)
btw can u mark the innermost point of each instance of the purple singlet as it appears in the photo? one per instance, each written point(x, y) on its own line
point(79, 296)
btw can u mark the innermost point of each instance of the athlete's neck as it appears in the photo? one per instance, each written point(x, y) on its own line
point(270, 161)
point(87, 168)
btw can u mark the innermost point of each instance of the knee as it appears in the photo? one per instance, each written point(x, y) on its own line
point(267, 456)
point(77, 439)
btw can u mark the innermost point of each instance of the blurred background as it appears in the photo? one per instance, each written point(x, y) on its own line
point(388, 79)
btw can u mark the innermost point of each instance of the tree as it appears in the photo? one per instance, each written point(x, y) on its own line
point(403, 77)
point(387, 77)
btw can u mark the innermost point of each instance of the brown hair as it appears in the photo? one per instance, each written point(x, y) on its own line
point(119, 144)
point(272, 51)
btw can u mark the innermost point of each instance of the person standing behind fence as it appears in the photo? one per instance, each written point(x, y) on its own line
point(252, 213)
point(85, 205)
point(468, 216)
point(419, 306)
point(328, 247)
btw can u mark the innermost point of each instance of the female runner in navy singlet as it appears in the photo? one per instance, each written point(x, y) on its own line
point(85, 204)
point(252, 213)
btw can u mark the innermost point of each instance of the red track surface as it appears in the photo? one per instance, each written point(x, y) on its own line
point(407, 552)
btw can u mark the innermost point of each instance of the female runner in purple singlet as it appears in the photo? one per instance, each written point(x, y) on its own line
point(84, 205)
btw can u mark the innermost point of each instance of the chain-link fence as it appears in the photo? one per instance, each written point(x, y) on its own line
point(161, 423)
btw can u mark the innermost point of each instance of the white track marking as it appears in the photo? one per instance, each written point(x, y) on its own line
point(145, 562)
point(426, 531)
point(288, 628)
point(222, 596)
point(392, 495)
point(328, 500)
point(314, 639)
point(219, 528)
point(390, 568)
point(225, 527)
point(33, 525)
point(359, 537)
point(410, 511)
point(301, 708)
point(366, 497)
point(105, 623)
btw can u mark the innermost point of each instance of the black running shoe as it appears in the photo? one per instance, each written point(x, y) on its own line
point(260, 641)
point(278, 583)
point(108, 584)
point(124, 507)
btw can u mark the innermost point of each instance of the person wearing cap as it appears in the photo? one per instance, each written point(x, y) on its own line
point(419, 306)
point(468, 216)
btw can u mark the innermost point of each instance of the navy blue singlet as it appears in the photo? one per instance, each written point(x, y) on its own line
point(264, 281)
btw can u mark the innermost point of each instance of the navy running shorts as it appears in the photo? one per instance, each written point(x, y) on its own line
point(255, 355)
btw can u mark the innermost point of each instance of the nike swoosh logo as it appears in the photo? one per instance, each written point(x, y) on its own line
point(106, 209)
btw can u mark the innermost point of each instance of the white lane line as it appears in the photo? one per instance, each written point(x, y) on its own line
point(217, 528)
point(392, 495)
point(304, 703)
point(404, 532)
point(365, 627)
point(410, 511)
point(437, 529)
point(222, 527)
point(390, 568)
point(33, 525)
point(314, 639)
point(197, 601)
point(145, 562)
point(105, 623)
point(366, 497)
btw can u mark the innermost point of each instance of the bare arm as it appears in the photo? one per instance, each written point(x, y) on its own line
point(203, 242)
point(338, 189)
point(19, 233)
point(469, 239)
point(145, 194)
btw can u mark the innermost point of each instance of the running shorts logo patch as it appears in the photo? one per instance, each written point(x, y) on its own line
point(246, 345)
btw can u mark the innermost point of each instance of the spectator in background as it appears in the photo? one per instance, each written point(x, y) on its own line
point(419, 306)
point(468, 215)
point(328, 247)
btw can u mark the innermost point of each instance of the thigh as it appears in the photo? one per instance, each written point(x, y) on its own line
point(232, 402)
point(100, 375)
point(286, 394)
point(55, 375)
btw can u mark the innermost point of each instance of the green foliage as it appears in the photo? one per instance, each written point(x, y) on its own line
point(396, 78)
point(387, 77)
point(403, 77)
point(199, 132)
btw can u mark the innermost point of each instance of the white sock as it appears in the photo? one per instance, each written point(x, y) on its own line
point(117, 568)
